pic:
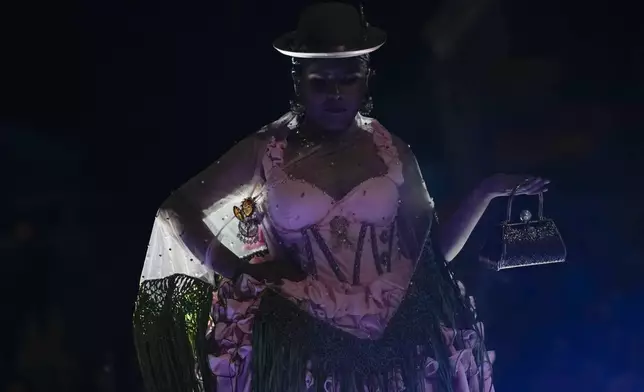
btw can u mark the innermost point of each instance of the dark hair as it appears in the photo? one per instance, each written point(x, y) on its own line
point(297, 69)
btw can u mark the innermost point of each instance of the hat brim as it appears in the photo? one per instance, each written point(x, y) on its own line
point(374, 40)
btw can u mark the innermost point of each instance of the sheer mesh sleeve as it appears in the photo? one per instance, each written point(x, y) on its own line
point(437, 295)
point(197, 220)
point(195, 237)
point(416, 212)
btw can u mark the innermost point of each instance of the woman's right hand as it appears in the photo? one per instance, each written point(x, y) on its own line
point(274, 271)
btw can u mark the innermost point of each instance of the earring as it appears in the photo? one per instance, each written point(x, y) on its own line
point(367, 106)
point(296, 107)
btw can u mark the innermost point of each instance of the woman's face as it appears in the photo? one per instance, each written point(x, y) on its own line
point(332, 91)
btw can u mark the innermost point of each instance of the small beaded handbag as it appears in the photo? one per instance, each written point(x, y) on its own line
point(524, 243)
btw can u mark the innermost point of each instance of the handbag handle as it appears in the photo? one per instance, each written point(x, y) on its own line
point(511, 199)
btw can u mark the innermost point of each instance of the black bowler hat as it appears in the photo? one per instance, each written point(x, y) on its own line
point(331, 30)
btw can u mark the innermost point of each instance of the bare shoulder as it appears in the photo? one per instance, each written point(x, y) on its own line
point(238, 166)
point(402, 147)
point(278, 129)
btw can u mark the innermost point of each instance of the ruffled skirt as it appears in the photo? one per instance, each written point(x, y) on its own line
point(235, 306)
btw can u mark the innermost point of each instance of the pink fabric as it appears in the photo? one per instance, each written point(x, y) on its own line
point(362, 310)
point(233, 328)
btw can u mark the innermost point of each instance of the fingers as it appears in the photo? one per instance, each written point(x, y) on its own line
point(297, 275)
point(516, 183)
point(533, 186)
point(284, 269)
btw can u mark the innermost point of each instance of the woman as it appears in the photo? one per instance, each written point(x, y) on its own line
point(318, 230)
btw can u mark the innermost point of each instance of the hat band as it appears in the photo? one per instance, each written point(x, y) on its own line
point(321, 48)
point(308, 43)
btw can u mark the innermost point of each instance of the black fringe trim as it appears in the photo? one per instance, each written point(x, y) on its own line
point(284, 337)
point(170, 323)
point(260, 253)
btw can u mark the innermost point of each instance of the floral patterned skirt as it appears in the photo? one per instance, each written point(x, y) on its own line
point(236, 306)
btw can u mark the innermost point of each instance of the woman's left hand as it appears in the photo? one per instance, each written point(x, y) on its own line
point(503, 185)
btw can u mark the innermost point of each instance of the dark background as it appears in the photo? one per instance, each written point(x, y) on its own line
point(105, 106)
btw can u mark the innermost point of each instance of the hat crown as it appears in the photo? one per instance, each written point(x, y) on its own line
point(331, 30)
point(327, 25)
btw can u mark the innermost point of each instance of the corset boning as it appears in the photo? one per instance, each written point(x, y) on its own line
point(357, 275)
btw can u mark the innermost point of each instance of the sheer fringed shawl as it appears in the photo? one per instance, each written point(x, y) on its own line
point(196, 238)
